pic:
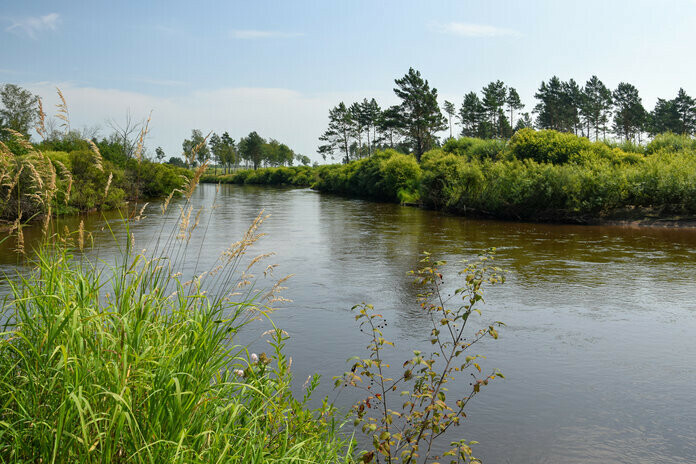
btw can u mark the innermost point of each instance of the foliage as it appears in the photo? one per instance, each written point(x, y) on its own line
point(419, 117)
point(67, 174)
point(546, 146)
point(89, 183)
point(298, 176)
point(387, 175)
point(670, 142)
point(197, 145)
point(127, 364)
point(596, 181)
point(18, 111)
point(404, 426)
point(473, 148)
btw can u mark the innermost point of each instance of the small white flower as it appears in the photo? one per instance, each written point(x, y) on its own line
point(254, 358)
point(239, 373)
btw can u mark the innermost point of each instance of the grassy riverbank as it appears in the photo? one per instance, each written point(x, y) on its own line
point(536, 176)
point(71, 176)
point(130, 364)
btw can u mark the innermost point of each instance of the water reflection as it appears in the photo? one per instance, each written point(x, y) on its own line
point(598, 350)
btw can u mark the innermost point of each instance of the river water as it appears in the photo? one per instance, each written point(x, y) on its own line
point(599, 348)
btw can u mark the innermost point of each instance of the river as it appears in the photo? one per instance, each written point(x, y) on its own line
point(599, 346)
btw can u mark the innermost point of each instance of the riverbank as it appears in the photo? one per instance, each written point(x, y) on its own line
point(539, 176)
point(71, 176)
point(142, 376)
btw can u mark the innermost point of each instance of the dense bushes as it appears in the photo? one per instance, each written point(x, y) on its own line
point(595, 187)
point(298, 176)
point(473, 148)
point(670, 142)
point(35, 181)
point(539, 175)
point(547, 146)
point(387, 175)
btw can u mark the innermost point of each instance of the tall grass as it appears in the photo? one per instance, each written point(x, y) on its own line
point(127, 363)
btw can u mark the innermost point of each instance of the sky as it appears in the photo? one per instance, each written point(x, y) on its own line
point(277, 67)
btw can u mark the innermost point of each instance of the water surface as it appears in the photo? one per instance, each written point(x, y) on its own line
point(599, 348)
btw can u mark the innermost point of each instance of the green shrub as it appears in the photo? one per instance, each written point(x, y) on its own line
point(89, 183)
point(626, 145)
point(473, 148)
point(145, 179)
point(401, 175)
point(670, 142)
point(547, 146)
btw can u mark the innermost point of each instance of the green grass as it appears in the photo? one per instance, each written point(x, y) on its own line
point(127, 364)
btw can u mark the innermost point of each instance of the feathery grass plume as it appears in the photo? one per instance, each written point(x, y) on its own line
point(250, 237)
point(17, 226)
point(81, 235)
point(195, 179)
point(5, 152)
point(67, 175)
point(165, 205)
point(273, 295)
point(34, 174)
point(194, 150)
point(140, 214)
point(63, 114)
point(52, 185)
point(47, 220)
point(13, 183)
point(68, 189)
point(97, 154)
point(141, 139)
point(259, 258)
point(41, 126)
point(108, 184)
point(185, 218)
point(194, 225)
point(21, 140)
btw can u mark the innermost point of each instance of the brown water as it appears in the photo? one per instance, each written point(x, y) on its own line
point(599, 351)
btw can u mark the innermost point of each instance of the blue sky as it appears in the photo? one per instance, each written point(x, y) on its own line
point(278, 66)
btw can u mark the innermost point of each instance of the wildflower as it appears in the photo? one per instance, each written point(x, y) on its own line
point(239, 373)
point(254, 358)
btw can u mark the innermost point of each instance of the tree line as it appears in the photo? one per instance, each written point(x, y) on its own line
point(594, 111)
point(251, 151)
point(19, 112)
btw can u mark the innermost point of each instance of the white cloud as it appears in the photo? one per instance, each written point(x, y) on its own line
point(292, 117)
point(159, 82)
point(32, 25)
point(472, 30)
point(259, 34)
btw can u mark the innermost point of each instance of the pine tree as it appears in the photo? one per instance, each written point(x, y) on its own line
point(686, 108)
point(471, 116)
point(339, 132)
point(449, 108)
point(420, 116)
point(494, 98)
point(513, 103)
point(629, 114)
point(597, 105)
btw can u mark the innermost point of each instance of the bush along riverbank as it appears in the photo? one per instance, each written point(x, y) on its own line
point(536, 176)
point(125, 362)
point(75, 175)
